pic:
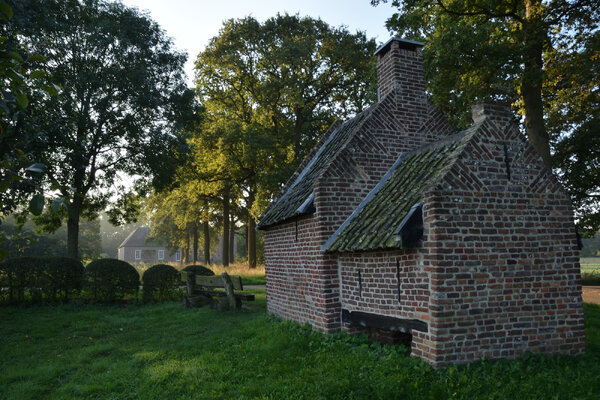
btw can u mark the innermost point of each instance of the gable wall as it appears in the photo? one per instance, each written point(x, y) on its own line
point(302, 281)
point(503, 256)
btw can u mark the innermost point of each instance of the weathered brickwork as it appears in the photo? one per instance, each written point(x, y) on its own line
point(502, 255)
point(302, 282)
point(496, 271)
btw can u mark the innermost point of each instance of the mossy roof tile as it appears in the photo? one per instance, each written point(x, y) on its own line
point(287, 205)
point(373, 225)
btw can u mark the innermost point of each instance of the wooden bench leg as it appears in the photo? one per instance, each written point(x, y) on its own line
point(234, 302)
point(190, 283)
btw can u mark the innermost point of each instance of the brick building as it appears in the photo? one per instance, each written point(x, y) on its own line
point(459, 243)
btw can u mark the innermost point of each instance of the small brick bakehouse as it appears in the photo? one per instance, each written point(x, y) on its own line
point(461, 245)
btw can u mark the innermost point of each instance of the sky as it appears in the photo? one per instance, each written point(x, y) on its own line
point(192, 23)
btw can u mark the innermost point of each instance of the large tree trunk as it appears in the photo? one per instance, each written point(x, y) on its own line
point(73, 227)
point(232, 240)
point(531, 84)
point(206, 228)
point(251, 226)
point(225, 249)
point(186, 250)
point(195, 242)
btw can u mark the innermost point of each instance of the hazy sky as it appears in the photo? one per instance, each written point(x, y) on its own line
point(191, 23)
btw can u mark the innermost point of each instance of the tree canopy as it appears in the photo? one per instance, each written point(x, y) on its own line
point(539, 56)
point(124, 97)
point(271, 90)
point(24, 79)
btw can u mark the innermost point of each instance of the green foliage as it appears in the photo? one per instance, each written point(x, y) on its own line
point(23, 79)
point(123, 102)
point(198, 270)
point(29, 240)
point(539, 56)
point(39, 278)
point(591, 247)
point(108, 280)
point(161, 282)
point(161, 351)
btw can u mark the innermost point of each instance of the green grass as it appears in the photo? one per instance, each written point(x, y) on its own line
point(590, 270)
point(162, 351)
point(253, 280)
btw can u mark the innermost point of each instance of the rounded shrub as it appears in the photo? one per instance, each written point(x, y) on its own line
point(39, 278)
point(198, 270)
point(109, 279)
point(160, 281)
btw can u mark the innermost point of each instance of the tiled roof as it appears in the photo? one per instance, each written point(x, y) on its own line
point(376, 222)
point(296, 199)
point(137, 238)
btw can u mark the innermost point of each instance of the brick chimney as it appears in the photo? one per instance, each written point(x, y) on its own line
point(496, 110)
point(400, 67)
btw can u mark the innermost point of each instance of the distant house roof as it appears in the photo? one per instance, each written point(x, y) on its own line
point(297, 198)
point(377, 221)
point(137, 238)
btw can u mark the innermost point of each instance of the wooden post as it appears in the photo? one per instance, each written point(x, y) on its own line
point(191, 283)
point(233, 303)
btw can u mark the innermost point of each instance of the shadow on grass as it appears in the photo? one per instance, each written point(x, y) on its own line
point(163, 351)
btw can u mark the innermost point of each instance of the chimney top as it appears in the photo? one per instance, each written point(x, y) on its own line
point(490, 109)
point(402, 44)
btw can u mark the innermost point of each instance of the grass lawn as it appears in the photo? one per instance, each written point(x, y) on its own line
point(590, 270)
point(162, 351)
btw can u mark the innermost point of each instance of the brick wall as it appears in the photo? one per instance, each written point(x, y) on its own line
point(302, 282)
point(502, 255)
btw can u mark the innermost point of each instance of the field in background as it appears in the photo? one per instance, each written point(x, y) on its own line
point(590, 271)
point(590, 263)
point(250, 276)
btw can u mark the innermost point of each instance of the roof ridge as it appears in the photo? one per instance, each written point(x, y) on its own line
point(124, 242)
point(467, 135)
point(365, 201)
point(303, 165)
point(364, 114)
point(301, 185)
point(452, 145)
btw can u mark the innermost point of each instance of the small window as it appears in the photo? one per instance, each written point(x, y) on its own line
point(178, 255)
point(138, 254)
point(161, 254)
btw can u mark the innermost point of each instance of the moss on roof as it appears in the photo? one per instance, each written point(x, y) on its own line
point(374, 224)
point(287, 204)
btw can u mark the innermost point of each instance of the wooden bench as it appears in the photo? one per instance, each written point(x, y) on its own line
point(218, 291)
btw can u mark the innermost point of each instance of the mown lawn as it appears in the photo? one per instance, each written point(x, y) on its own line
point(162, 351)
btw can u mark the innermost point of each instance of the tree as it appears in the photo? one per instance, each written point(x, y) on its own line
point(123, 98)
point(23, 80)
point(30, 240)
point(270, 91)
point(528, 53)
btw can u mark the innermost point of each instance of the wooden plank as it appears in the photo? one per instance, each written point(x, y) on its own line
point(234, 303)
point(243, 296)
point(385, 322)
point(217, 281)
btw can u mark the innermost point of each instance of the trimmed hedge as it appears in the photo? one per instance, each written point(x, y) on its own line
point(161, 281)
point(198, 270)
point(109, 279)
point(39, 279)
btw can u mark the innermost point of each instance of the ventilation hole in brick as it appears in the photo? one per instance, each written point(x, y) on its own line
point(359, 284)
point(507, 161)
point(398, 280)
point(390, 337)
